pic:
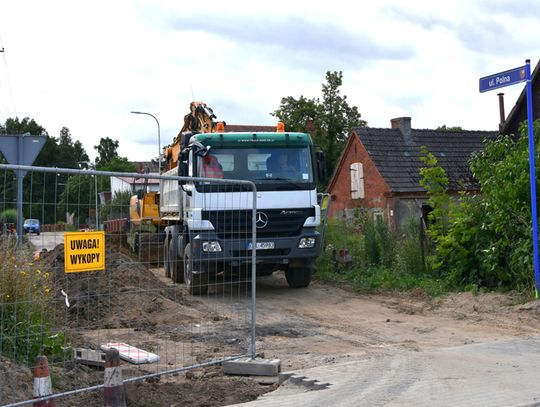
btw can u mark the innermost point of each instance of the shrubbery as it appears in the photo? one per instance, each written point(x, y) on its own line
point(488, 242)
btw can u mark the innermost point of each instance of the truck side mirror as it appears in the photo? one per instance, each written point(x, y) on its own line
point(321, 165)
point(183, 164)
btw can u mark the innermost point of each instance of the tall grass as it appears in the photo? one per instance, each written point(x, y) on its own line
point(25, 307)
point(383, 259)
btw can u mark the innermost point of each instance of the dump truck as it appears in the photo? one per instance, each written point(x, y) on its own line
point(145, 232)
point(199, 244)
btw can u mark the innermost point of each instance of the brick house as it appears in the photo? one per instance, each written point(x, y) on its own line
point(379, 169)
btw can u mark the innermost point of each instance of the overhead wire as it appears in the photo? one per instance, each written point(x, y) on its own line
point(5, 103)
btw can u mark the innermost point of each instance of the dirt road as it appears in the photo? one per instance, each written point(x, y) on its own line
point(326, 324)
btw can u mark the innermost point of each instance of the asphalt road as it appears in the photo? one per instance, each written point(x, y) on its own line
point(46, 240)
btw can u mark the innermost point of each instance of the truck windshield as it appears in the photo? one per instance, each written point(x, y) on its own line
point(283, 168)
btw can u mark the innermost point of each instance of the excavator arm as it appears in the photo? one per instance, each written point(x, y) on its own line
point(200, 119)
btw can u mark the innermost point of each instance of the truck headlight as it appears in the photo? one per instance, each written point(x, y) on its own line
point(306, 243)
point(211, 247)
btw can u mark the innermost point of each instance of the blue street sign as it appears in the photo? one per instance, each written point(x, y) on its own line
point(502, 79)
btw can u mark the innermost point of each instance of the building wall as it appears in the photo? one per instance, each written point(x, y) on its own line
point(377, 197)
point(407, 207)
point(118, 185)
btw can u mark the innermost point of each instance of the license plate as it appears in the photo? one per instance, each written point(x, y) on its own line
point(261, 245)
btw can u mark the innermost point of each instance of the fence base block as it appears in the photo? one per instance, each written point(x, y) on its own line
point(252, 367)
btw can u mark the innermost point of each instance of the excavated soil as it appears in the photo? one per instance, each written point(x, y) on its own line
point(128, 302)
point(321, 325)
point(121, 289)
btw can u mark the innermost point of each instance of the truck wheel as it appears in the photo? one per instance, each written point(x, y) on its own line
point(300, 277)
point(136, 243)
point(176, 267)
point(166, 261)
point(196, 283)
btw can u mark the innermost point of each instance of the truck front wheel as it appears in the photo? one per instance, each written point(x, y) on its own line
point(196, 280)
point(166, 261)
point(300, 276)
point(176, 265)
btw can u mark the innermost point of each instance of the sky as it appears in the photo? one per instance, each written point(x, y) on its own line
point(87, 65)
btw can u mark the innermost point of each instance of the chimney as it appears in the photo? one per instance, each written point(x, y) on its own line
point(310, 126)
point(501, 110)
point(404, 126)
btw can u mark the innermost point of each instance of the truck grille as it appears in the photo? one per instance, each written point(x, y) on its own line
point(271, 222)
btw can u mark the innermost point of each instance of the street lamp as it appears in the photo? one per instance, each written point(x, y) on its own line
point(158, 137)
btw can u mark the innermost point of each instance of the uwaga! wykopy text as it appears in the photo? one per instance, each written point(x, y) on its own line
point(84, 244)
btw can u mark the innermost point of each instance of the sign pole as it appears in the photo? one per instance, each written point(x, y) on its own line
point(532, 171)
point(507, 78)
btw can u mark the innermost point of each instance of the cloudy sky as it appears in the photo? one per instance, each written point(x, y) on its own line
point(86, 65)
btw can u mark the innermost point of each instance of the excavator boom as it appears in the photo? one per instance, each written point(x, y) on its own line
point(200, 119)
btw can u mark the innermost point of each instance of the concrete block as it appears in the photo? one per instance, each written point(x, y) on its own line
point(252, 367)
point(89, 357)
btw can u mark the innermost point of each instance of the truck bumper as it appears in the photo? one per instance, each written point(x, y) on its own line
point(238, 251)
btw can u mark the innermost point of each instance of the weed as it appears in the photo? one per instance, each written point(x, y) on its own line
point(25, 311)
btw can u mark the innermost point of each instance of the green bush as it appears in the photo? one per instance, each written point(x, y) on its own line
point(9, 216)
point(486, 240)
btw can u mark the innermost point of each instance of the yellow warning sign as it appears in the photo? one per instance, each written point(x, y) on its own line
point(84, 251)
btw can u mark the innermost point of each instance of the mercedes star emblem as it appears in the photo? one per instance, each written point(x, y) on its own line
point(262, 220)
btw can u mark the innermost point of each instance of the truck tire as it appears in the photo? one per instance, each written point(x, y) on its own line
point(136, 243)
point(300, 277)
point(196, 283)
point(166, 262)
point(176, 266)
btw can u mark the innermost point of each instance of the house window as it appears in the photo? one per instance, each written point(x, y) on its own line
point(357, 181)
point(378, 217)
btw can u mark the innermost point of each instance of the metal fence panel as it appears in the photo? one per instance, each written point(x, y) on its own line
point(71, 317)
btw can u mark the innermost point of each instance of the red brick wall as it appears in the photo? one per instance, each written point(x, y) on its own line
point(377, 192)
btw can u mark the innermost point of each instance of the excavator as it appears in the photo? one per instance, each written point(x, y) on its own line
point(145, 236)
point(200, 119)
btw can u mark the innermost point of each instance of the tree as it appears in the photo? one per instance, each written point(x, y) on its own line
point(40, 189)
point(26, 125)
point(118, 164)
point(330, 121)
point(107, 150)
point(79, 196)
point(71, 153)
point(449, 128)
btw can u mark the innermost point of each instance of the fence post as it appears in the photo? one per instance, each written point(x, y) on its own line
point(113, 387)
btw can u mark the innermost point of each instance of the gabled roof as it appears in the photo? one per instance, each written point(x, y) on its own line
point(519, 111)
point(398, 160)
